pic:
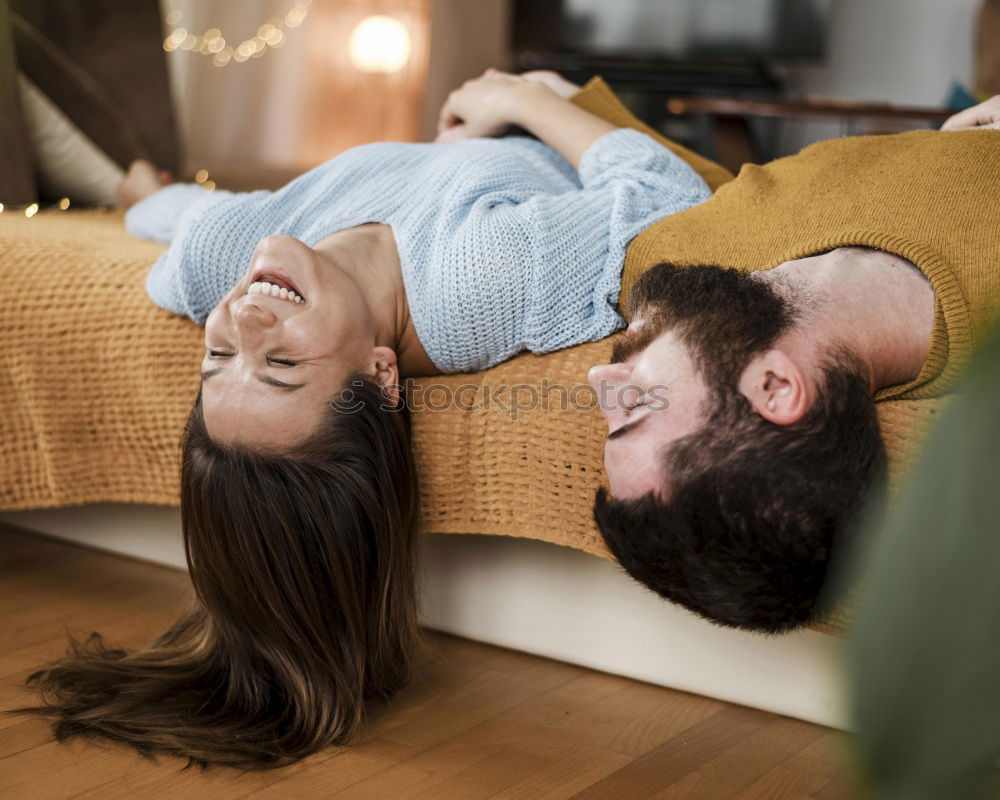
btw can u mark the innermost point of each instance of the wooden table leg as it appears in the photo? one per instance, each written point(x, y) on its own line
point(733, 141)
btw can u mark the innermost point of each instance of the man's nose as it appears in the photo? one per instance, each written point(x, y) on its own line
point(607, 374)
point(605, 379)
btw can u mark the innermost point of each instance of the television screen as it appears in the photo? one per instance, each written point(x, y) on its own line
point(688, 30)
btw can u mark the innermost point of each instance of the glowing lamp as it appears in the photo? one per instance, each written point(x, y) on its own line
point(379, 44)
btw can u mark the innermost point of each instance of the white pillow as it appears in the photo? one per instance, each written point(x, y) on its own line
point(67, 161)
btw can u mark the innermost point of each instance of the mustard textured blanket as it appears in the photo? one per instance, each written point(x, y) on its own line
point(96, 382)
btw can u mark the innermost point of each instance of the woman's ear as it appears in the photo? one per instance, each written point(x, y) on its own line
point(776, 387)
point(386, 371)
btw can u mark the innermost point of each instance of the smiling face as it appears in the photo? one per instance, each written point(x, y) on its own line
point(272, 361)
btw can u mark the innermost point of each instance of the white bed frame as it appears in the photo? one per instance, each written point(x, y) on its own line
point(544, 599)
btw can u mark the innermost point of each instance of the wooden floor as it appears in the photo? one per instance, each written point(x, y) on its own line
point(480, 721)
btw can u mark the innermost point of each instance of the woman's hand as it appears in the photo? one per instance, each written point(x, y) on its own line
point(985, 115)
point(485, 106)
point(141, 180)
point(538, 102)
point(490, 104)
point(556, 82)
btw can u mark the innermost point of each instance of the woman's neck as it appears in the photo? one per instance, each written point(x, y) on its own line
point(368, 253)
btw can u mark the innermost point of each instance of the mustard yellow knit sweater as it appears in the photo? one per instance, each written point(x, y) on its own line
point(927, 196)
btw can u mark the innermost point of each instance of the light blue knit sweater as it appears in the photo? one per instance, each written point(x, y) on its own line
point(504, 246)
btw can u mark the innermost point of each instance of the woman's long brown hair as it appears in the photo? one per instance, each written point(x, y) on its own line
point(303, 570)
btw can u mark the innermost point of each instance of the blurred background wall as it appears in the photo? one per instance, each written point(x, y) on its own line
point(902, 51)
point(467, 37)
point(265, 89)
point(302, 102)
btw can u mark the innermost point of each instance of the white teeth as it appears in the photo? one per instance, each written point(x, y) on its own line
point(267, 288)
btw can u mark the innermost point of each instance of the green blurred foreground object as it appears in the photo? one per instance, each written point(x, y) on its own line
point(924, 657)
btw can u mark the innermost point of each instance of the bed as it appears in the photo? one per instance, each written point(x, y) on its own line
point(95, 384)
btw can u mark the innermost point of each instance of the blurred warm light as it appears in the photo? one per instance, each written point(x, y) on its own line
point(213, 43)
point(201, 176)
point(1, 208)
point(31, 210)
point(64, 204)
point(209, 186)
point(379, 44)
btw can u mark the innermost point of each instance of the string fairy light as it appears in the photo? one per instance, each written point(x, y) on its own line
point(35, 209)
point(64, 203)
point(213, 43)
point(201, 177)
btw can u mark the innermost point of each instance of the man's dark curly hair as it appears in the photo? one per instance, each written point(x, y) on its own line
point(745, 532)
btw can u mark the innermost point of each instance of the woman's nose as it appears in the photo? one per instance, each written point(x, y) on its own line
point(251, 315)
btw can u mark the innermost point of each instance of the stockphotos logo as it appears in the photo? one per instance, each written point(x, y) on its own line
point(513, 399)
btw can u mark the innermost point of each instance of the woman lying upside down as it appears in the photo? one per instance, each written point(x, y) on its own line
point(299, 493)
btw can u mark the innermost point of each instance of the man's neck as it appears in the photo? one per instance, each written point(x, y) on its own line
point(877, 305)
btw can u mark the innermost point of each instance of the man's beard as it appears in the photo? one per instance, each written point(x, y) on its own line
point(725, 318)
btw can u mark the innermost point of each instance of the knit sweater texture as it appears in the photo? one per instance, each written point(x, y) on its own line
point(927, 196)
point(504, 246)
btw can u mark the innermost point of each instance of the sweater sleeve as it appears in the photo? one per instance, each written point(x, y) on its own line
point(597, 98)
point(554, 260)
point(212, 240)
point(629, 182)
point(158, 217)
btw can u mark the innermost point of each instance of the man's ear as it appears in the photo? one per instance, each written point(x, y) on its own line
point(386, 371)
point(776, 387)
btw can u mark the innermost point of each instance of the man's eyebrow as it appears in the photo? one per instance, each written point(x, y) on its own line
point(290, 387)
point(617, 433)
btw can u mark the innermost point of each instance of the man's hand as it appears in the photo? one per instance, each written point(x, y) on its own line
point(985, 115)
point(141, 180)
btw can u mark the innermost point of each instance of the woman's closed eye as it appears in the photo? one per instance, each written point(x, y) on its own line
point(281, 362)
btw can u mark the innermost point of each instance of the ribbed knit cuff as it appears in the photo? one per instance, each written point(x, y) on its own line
point(156, 217)
point(611, 149)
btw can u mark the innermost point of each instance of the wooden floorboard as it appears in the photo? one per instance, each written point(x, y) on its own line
point(477, 722)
